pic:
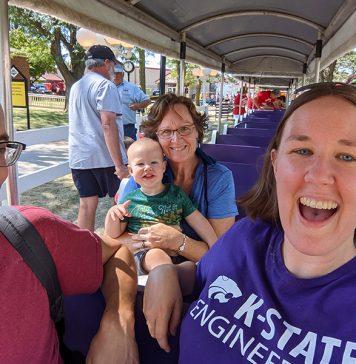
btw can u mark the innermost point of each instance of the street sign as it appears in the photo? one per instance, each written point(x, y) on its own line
point(14, 72)
point(19, 94)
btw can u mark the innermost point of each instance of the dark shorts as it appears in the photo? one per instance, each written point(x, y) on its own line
point(140, 256)
point(96, 182)
point(130, 131)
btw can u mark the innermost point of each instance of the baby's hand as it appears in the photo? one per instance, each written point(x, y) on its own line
point(120, 211)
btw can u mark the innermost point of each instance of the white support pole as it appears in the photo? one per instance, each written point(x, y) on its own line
point(318, 51)
point(181, 78)
point(241, 93)
point(248, 95)
point(221, 94)
point(303, 80)
point(253, 95)
point(317, 69)
point(181, 65)
point(305, 68)
point(5, 96)
point(288, 97)
point(292, 88)
point(203, 90)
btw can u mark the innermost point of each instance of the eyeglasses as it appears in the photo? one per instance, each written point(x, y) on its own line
point(168, 133)
point(324, 85)
point(10, 152)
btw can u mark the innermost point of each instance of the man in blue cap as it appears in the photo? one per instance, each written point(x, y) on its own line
point(97, 155)
point(133, 99)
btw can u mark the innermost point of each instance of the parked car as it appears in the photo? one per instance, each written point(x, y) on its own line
point(58, 88)
point(40, 88)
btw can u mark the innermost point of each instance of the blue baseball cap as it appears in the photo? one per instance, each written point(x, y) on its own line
point(118, 68)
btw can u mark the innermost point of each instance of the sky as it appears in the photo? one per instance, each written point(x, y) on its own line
point(153, 61)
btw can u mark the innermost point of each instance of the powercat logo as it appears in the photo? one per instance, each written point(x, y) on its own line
point(223, 289)
point(260, 333)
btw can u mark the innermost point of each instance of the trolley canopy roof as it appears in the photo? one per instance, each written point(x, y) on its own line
point(267, 39)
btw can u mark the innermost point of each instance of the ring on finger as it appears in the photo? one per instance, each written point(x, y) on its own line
point(143, 245)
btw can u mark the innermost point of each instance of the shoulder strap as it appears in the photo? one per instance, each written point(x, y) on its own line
point(24, 237)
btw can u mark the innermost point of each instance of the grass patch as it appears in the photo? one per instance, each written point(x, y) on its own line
point(39, 118)
point(61, 197)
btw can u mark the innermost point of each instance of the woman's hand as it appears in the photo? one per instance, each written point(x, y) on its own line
point(162, 303)
point(160, 236)
point(169, 239)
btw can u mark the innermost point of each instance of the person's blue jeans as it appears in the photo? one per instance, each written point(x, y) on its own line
point(130, 131)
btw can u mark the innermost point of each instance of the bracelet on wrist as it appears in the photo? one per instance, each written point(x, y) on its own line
point(181, 247)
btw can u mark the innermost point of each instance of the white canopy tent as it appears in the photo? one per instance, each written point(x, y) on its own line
point(261, 38)
point(273, 41)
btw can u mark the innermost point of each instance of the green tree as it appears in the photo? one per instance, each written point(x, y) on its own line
point(36, 51)
point(327, 74)
point(340, 69)
point(189, 78)
point(345, 66)
point(198, 91)
point(60, 38)
point(142, 65)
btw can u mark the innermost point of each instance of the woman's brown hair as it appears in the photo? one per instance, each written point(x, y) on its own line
point(160, 108)
point(261, 200)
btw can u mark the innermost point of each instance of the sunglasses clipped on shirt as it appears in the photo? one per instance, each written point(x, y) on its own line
point(10, 152)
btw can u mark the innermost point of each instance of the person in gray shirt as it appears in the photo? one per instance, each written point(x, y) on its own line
point(96, 152)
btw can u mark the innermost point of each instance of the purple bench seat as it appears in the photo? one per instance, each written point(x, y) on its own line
point(245, 176)
point(235, 153)
point(257, 119)
point(274, 116)
point(259, 125)
point(257, 141)
point(251, 131)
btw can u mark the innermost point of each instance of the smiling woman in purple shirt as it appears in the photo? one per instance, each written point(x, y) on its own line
point(279, 286)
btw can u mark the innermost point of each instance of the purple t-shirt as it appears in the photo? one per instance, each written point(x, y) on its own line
point(252, 310)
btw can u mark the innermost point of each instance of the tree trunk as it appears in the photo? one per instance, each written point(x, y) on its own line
point(331, 71)
point(178, 77)
point(142, 62)
point(70, 75)
point(197, 94)
point(327, 74)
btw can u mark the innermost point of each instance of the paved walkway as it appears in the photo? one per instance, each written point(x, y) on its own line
point(40, 156)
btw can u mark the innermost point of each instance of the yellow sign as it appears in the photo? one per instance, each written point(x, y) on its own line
point(18, 94)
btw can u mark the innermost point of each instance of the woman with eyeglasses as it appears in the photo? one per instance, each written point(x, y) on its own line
point(279, 286)
point(175, 123)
